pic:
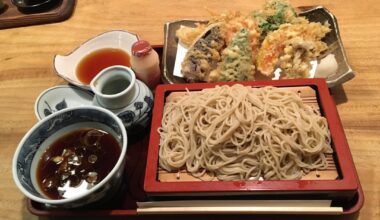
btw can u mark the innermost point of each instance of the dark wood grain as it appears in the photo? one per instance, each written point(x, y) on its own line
point(12, 16)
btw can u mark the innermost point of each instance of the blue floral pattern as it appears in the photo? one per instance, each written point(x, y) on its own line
point(127, 116)
point(59, 106)
point(149, 101)
point(47, 129)
point(138, 113)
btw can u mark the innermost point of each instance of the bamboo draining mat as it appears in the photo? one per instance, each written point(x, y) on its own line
point(308, 97)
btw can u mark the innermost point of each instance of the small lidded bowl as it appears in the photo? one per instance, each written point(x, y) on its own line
point(84, 168)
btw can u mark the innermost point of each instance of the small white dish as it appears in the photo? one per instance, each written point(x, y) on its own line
point(135, 115)
point(65, 66)
point(61, 97)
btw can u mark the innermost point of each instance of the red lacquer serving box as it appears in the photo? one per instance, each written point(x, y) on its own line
point(341, 189)
point(344, 192)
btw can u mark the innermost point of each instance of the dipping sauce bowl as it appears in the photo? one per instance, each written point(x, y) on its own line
point(52, 129)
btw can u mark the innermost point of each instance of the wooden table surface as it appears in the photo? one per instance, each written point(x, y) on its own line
point(26, 56)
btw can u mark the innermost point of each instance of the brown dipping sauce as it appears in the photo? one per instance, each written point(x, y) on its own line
point(98, 60)
point(84, 156)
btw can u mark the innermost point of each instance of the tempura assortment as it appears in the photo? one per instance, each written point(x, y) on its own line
point(237, 47)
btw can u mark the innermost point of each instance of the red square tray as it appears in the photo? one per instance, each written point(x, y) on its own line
point(343, 188)
point(124, 205)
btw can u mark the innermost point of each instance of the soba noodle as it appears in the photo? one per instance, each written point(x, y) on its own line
point(237, 132)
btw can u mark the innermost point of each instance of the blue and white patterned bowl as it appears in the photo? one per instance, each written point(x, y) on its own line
point(49, 129)
point(135, 116)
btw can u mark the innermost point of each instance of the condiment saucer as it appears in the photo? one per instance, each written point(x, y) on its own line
point(135, 115)
point(65, 65)
point(61, 97)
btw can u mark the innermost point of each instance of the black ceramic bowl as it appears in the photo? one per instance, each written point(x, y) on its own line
point(33, 6)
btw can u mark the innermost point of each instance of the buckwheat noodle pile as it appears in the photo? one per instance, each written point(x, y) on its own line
point(237, 132)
